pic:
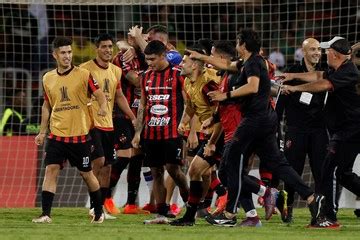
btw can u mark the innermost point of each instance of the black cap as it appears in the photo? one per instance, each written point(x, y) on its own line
point(339, 44)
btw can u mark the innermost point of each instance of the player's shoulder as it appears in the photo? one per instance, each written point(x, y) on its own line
point(87, 65)
point(210, 74)
point(176, 68)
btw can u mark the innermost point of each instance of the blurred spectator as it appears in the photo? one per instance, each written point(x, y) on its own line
point(276, 57)
point(39, 12)
point(83, 49)
point(14, 115)
point(31, 126)
point(22, 31)
point(299, 55)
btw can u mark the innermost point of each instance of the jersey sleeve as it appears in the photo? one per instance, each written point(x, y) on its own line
point(252, 69)
point(338, 79)
point(92, 84)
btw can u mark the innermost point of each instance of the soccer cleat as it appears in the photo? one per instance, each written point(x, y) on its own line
point(325, 223)
point(108, 216)
point(220, 204)
point(251, 222)
point(289, 217)
point(260, 201)
point(159, 219)
point(133, 209)
point(110, 206)
point(182, 222)
point(98, 220)
point(270, 202)
point(150, 207)
point(175, 209)
point(221, 220)
point(42, 219)
point(202, 212)
point(315, 207)
point(281, 204)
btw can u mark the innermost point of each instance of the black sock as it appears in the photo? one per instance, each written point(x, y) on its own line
point(96, 199)
point(47, 199)
point(104, 191)
point(134, 178)
point(195, 195)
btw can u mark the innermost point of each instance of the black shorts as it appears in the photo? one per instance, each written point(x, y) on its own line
point(124, 133)
point(160, 152)
point(215, 159)
point(102, 145)
point(78, 154)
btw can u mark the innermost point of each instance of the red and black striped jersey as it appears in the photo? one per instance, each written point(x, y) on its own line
point(132, 93)
point(164, 102)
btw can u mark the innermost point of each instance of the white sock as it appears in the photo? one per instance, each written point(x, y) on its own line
point(252, 213)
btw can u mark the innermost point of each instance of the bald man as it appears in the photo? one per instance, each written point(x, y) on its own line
point(342, 80)
point(305, 133)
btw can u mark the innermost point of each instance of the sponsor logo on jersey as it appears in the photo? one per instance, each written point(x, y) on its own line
point(159, 121)
point(159, 97)
point(159, 109)
point(136, 103)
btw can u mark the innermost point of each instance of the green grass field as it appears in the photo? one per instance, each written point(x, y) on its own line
point(73, 223)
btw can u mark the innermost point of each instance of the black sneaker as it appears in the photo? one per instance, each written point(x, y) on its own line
point(221, 220)
point(182, 222)
point(281, 204)
point(315, 207)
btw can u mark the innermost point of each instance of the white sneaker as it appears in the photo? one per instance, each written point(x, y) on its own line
point(42, 219)
point(159, 219)
point(100, 220)
point(108, 216)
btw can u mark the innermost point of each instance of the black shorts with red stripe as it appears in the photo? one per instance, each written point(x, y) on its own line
point(215, 159)
point(78, 154)
point(123, 132)
point(102, 145)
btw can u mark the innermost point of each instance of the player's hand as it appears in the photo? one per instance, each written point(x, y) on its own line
point(287, 89)
point(136, 141)
point(206, 124)
point(284, 77)
point(181, 128)
point(192, 140)
point(102, 111)
point(129, 55)
point(39, 139)
point(209, 150)
point(194, 54)
point(217, 96)
point(134, 122)
point(135, 31)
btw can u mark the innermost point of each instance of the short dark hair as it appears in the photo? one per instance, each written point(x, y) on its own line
point(103, 37)
point(225, 47)
point(60, 42)
point(197, 48)
point(251, 39)
point(155, 47)
point(158, 29)
point(206, 44)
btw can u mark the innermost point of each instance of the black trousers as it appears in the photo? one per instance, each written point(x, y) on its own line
point(259, 136)
point(299, 144)
point(338, 167)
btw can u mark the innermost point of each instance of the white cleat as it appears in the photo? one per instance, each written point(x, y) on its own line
point(108, 216)
point(100, 220)
point(42, 219)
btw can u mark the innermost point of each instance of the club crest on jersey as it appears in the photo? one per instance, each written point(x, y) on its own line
point(106, 86)
point(64, 95)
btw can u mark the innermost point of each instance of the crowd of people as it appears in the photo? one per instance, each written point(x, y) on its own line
point(214, 104)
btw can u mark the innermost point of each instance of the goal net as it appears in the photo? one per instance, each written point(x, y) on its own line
point(28, 27)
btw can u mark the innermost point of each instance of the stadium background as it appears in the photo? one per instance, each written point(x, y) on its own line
point(25, 56)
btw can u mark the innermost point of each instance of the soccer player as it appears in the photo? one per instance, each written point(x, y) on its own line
point(108, 77)
point(159, 113)
point(256, 132)
point(124, 131)
point(306, 132)
point(66, 91)
point(342, 81)
point(198, 82)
